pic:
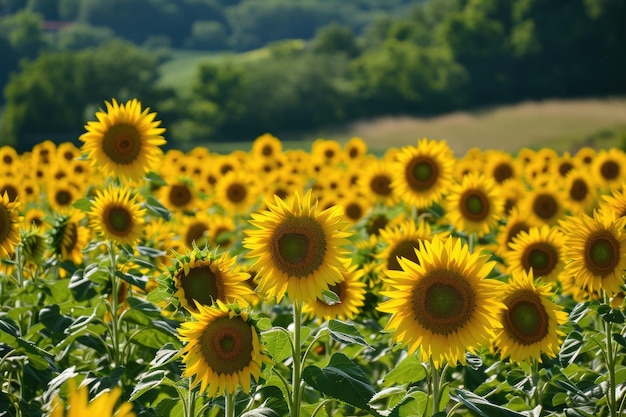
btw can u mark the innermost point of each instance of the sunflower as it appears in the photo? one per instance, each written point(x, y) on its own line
point(586, 155)
point(11, 186)
point(327, 151)
point(609, 167)
point(444, 304)
point(125, 140)
point(544, 204)
point(423, 173)
point(615, 202)
point(355, 206)
point(9, 222)
point(105, 404)
point(194, 229)
point(237, 192)
point(355, 149)
point(62, 194)
point(474, 205)
point(515, 223)
point(401, 240)
point(200, 278)
point(530, 320)
point(117, 215)
point(266, 146)
point(581, 191)
point(501, 166)
point(222, 232)
point(298, 248)
point(223, 350)
point(595, 247)
point(68, 236)
point(351, 293)
point(178, 195)
point(376, 182)
point(539, 249)
point(9, 159)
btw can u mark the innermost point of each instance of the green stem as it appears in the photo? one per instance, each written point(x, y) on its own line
point(297, 360)
point(114, 304)
point(534, 376)
point(610, 364)
point(230, 405)
point(191, 400)
point(434, 380)
point(471, 241)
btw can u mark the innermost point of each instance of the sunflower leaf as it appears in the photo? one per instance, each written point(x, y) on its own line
point(408, 371)
point(482, 406)
point(82, 204)
point(261, 412)
point(330, 298)
point(155, 207)
point(413, 404)
point(570, 349)
point(277, 343)
point(347, 333)
point(155, 179)
point(342, 379)
point(136, 280)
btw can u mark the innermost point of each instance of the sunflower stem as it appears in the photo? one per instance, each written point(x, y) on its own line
point(230, 405)
point(297, 360)
point(114, 303)
point(610, 363)
point(434, 380)
point(191, 400)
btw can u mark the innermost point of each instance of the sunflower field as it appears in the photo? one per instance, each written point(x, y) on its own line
point(330, 282)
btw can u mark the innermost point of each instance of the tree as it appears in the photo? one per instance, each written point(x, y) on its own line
point(80, 36)
point(334, 39)
point(24, 32)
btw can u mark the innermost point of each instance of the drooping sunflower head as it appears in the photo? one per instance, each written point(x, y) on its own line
point(530, 320)
point(298, 249)
point(117, 215)
point(222, 350)
point(69, 236)
point(445, 304)
point(34, 245)
point(125, 139)
point(595, 247)
point(9, 225)
point(422, 173)
point(474, 205)
point(201, 278)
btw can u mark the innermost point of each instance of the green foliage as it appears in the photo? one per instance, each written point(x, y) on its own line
point(335, 39)
point(81, 36)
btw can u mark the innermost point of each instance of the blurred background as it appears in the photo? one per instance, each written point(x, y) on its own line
point(489, 73)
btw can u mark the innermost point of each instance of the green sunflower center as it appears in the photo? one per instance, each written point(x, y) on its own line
point(541, 257)
point(526, 320)
point(119, 220)
point(179, 195)
point(421, 173)
point(404, 249)
point(298, 246)
point(474, 205)
point(602, 253)
point(122, 143)
point(381, 185)
point(227, 345)
point(609, 170)
point(202, 284)
point(443, 302)
point(545, 206)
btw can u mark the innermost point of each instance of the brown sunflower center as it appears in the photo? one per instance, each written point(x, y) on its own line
point(502, 172)
point(122, 143)
point(354, 211)
point(222, 236)
point(516, 229)
point(236, 192)
point(474, 205)
point(338, 289)
point(202, 284)
point(443, 302)
point(70, 237)
point(578, 190)
point(179, 195)
point(11, 192)
point(421, 173)
point(329, 153)
point(118, 220)
point(377, 223)
point(5, 223)
point(609, 170)
point(227, 345)
point(196, 233)
point(298, 246)
point(267, 150)
point(63, 197)
point(541, 257)
point(404, 249)
point(545, 206)
point(602, 253)
point(381, 185)
point(353, 153)
point(526, 320)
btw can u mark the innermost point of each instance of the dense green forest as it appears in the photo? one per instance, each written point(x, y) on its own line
point(358, 58)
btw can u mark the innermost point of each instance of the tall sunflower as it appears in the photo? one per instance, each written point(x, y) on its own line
point(445, 304)
point(515, 223)
point(350, 292)
point(200, 278)
point(530, 320)
point(223, 349)
point(117, 215)
point(596, 250)
point(544, 203)
point(237, 192)
point(474, 205)
point(9, 225)
point(376, 181)
point(104, 405)
point(581, 191)
point(423, 173)
point(539, 249)
point(124, 140)
point(298, 248)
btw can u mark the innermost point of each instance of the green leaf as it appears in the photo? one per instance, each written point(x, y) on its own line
point(261, 412)
point(619, 339)
point(151, 338)
point(146, 308)
point(482, 406)
point(153, 206)
point(570, 348)
point(578, 312)
point(81, 286)
point(136, 280)
point(341, 379)
point(149, 252)
point(406, 372)
point(346, 333)
point(614, 315)
point(52, 318)
point(155, 179)
point(165, 355)
point(414, 404)
point(149, 381)
point(330, 298)
point(39, 358)
point(82, 204)
point(9, 326)
point(277, 343)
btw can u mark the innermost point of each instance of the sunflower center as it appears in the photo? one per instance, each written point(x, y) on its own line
point(474, 205)
point(376, 223)
point(196, 233)
point(443, 302)
point(502, 172)
point(298, 246)
point(579, 190)
point(5, 223)
point(545, 206)
point(227, 345)
point(541, 257)
point(516, 229)
point(221, 237)
point(179, 195)
point(354, 211)
point(70, 237)
point(609, 170)
point(337, 289)
point(202, 284)
point(404, 249)
point(63, 197)
point(353, 153)
point(236, 193)
point(602, 253)
point(381, 185)
point(526, 320)
point(119, 220)
point(11, 192)
point(421, 173)
point(122, 143)
point(267, 150)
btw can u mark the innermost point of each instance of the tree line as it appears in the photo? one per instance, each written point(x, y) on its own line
point(441, 56)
